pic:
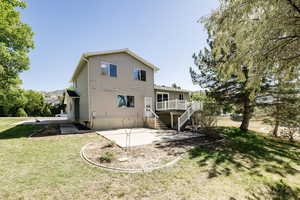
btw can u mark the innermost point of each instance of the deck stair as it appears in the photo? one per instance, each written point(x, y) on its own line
point(194, 107)
point(160, 125)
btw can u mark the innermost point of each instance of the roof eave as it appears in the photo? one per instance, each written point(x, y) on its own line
point(78, 67)
point(86, 55)
point(172, 90)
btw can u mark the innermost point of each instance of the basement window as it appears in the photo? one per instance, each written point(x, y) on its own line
point(125, 101)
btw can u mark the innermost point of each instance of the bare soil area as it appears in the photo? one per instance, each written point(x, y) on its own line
point(54, 129)
point(47, 130)
point(141, 157)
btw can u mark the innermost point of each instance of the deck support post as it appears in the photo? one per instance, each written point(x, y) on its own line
point(172, 120)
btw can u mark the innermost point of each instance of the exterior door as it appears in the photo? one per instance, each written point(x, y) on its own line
point(148, 104)
point(76, 109)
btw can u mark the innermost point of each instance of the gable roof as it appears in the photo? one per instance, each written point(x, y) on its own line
point(127, 51)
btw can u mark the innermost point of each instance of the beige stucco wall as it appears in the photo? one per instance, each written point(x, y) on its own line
point(105, 89)
point(149, 122)
point(82, 90)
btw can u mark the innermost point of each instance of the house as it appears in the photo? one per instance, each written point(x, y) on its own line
point(115, 89)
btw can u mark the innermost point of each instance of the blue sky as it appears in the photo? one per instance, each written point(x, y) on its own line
point(164, 32)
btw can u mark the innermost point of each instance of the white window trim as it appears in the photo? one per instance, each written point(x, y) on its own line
point(162, 94)
point(108, 73)
point(137, 68)
point(182, 96)
point(125, 107)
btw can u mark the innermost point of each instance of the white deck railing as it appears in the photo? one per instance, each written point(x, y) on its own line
point(194, 106)
point(172, 105)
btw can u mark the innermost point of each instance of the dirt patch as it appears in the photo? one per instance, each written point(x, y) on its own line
point(81, 127)
point(108, 154)
point(54, 130)
point(47, 130)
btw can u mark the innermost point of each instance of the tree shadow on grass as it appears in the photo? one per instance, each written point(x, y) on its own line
point(248, 152)
point(19, 131)
point(276, 191)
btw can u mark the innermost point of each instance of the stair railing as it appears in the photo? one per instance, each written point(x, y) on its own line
point(155, 116)
point(193, 107)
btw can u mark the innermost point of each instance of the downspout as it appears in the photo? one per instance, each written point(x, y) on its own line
point(89, 94)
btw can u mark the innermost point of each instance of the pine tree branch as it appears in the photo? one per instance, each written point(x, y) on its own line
point(294, 6)
point(291, 57)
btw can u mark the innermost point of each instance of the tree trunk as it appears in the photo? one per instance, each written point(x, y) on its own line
point(275, 130)
point(247, 114)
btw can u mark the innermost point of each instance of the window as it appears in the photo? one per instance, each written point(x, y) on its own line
point(180, 96)
point(113, 70)
point(162, 97)
point(108, 69)
point(139, 74)
point(125, 101)
point(130, 101)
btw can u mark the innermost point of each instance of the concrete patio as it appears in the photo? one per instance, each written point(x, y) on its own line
point(144, 136)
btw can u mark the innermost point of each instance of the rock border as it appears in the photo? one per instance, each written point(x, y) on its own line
point(132, 171)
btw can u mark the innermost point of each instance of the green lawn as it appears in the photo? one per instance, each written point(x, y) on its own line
point(248, 166)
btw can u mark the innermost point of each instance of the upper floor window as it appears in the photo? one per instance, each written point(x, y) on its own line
point(139, 74)
point(108, 69)
point(180, 96)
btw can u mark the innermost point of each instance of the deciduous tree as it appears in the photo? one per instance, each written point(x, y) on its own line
point(15, 43)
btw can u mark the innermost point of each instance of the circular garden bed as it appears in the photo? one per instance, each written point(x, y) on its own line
point(108, 155)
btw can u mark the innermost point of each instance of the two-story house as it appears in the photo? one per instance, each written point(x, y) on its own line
point(115, 89)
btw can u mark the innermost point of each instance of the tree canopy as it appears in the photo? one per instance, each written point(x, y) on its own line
point(251, 44)
point(266, 34)
point(15, 43)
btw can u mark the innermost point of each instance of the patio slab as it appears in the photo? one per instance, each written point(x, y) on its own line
point(144, 136)
point(68, 129)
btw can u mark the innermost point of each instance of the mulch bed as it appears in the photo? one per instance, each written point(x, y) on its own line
point(54, 129)
point(81, 127)
point(141, 157)
point(47, 130)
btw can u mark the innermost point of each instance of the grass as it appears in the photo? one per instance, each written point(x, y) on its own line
point(247, 166)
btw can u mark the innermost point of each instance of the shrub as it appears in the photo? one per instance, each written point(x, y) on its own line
point(21, 113)
point(106, 157)
point(46, 111)
point(207, 117)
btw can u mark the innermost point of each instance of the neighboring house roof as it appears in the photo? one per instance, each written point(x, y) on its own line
point(90, 54)
point(165, 88)
point(72, 93)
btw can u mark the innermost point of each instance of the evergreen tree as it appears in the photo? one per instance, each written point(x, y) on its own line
point(266, 34)
point(283, 103)
point(226, 90)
